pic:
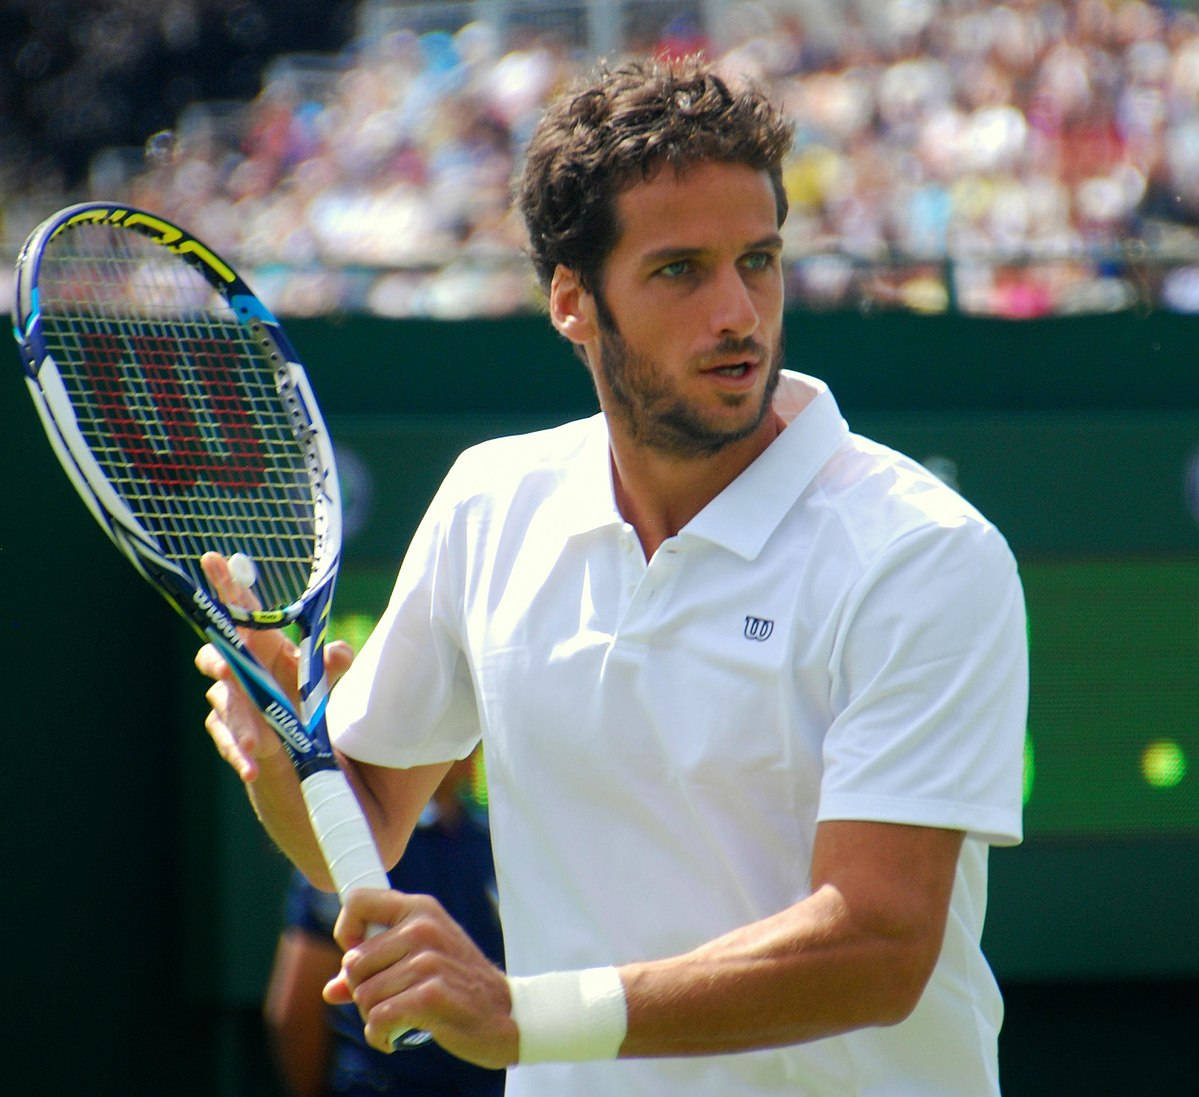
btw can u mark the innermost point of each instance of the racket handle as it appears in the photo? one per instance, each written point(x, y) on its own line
point(349, 850)
point(342, 832)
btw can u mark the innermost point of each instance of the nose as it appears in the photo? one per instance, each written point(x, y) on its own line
point(733, 310)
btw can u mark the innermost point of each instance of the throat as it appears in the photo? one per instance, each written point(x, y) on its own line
point(652, 524)
point(658, 495)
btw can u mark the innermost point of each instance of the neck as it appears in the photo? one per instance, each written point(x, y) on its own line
point(658, 494)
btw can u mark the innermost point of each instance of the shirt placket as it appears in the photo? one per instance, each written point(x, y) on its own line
point(644, 588)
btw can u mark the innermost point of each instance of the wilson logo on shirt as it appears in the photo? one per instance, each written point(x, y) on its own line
point(758, 628)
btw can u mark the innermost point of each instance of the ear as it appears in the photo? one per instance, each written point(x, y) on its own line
point(572, 308)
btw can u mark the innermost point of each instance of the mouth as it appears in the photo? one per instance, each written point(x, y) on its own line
point(734, 362)
point(737, 369)
point(741, 371)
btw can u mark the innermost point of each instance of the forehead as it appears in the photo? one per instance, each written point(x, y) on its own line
point(703, 205)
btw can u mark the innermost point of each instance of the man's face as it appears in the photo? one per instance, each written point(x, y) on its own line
point(689, 314)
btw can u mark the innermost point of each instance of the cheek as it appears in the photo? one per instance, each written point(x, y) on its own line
point(658, 333)
point(769, 296)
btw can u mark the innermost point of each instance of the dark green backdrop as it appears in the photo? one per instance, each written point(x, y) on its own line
point(141, 899)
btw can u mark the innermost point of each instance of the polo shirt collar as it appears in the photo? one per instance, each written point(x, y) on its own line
point(743, 516)
point(587, 500)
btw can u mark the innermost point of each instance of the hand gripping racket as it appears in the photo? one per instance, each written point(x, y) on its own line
point(181, 414)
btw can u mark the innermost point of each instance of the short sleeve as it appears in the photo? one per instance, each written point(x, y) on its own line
point(408, 699)
point(930, 688)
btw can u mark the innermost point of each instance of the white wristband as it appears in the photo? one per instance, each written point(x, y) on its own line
point(569, 1016)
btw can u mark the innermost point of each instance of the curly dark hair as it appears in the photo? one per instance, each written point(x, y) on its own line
point(623, 126)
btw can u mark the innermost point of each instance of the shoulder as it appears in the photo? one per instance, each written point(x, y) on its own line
point(534, 463)
point(881, 501)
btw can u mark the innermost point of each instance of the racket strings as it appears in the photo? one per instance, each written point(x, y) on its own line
point(180, 406)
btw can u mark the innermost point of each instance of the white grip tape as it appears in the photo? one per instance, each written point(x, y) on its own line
point(569, 1016)
point(342, 832)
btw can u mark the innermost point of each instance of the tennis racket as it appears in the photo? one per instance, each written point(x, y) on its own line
point(185, 421)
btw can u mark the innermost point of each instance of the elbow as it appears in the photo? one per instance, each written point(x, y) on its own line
point(902, 984)
point(897, 1008)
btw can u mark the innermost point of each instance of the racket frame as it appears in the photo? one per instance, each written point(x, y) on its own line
point(338, 822)
point(302, 733)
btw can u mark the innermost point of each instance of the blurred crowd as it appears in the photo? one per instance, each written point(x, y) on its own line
point(1016, 159)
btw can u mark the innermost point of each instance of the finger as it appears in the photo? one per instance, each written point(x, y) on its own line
point(337, 991)
point(385, 1025)
point(368, 908)
point(393, 1001)
point(241, 733)
point(228, 589)
point(271, 647)
point(211, 663)
point(338, 657)
point(464, 1003)
point(230, 748)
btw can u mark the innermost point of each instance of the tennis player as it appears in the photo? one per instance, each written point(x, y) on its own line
point(751, 688)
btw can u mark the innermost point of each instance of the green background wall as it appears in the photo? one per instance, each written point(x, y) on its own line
point(141, 899)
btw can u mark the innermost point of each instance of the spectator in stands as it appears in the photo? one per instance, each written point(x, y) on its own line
point(975, 136)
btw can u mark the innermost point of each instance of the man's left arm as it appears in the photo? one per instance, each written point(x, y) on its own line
point(857, 951)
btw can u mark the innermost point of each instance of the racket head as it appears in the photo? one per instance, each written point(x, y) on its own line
point(180, 411)
point(186, 422)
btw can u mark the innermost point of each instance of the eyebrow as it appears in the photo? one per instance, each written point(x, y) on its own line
point(773, 242)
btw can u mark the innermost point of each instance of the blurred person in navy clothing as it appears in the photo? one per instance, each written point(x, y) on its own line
point(319, 1049)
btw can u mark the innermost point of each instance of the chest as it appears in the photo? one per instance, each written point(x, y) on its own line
point(698, 668)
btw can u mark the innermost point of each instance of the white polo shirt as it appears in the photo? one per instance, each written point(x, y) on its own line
point(836, 636)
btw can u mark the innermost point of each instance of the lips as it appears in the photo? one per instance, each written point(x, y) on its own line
point(734, 369)
point(735, 358)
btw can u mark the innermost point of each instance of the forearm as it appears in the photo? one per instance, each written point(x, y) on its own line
point(806, 973)
point(857, 952)
point(279, 804)
point(391, 799)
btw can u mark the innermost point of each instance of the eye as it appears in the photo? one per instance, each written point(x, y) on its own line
point(758, 260)
point(676, 269)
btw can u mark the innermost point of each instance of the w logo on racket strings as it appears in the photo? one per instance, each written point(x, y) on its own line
point(758, 628)
point(176, 425)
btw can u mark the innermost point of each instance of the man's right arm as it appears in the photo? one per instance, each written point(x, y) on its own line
point(392, 799)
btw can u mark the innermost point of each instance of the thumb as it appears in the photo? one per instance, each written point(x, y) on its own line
point(337, 990)
point(338, 657)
